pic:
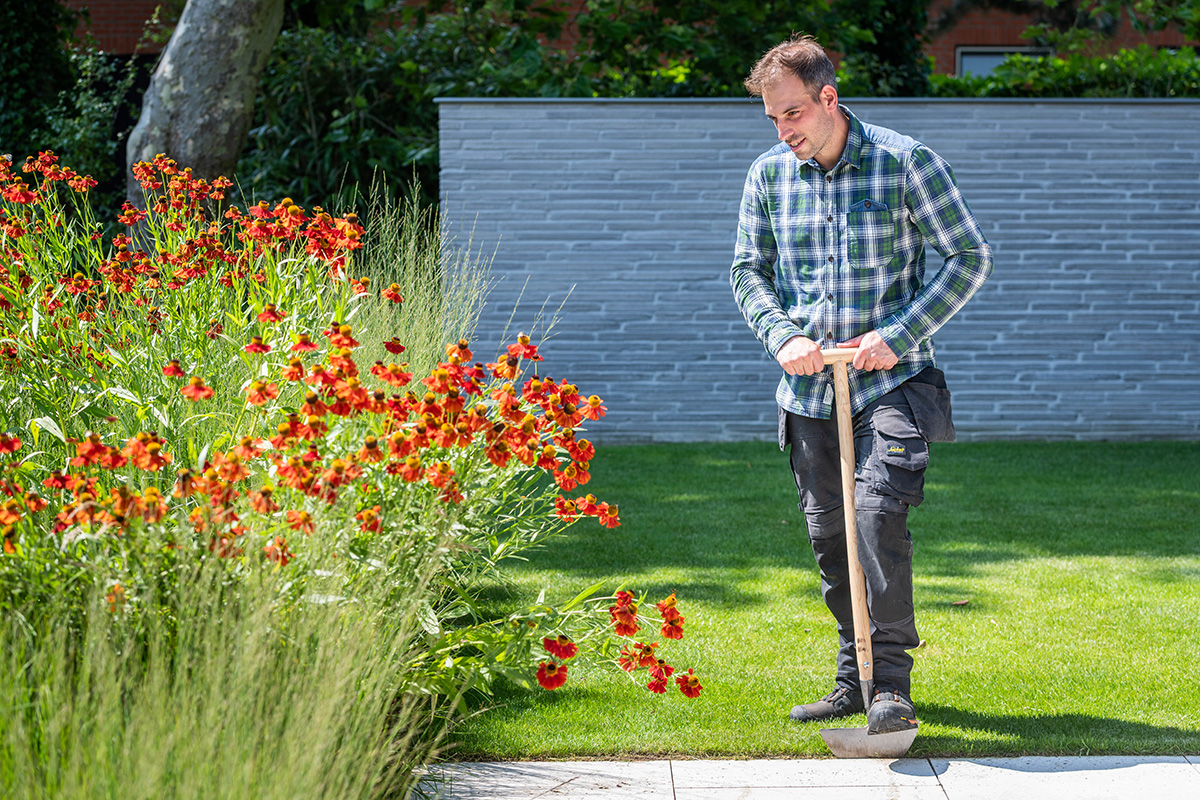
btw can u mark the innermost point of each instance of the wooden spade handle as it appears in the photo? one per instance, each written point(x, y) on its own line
point(839, 358)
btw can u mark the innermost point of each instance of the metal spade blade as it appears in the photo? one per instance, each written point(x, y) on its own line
point(856, 743)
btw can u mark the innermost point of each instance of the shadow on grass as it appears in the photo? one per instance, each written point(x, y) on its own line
point(732, 507)
point(1045, 734)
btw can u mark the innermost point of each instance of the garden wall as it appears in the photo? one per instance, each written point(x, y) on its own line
point(620, 216)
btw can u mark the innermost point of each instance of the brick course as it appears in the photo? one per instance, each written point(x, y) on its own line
point(620, 216)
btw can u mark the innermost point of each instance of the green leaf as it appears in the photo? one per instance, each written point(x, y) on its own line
point(49, 425)
point(122, 392)
point(584, 595)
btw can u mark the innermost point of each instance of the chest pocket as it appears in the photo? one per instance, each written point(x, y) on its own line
point(870, 234)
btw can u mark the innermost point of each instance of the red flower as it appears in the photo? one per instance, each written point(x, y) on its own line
point(672, 627)
point(667, 607)
point(270, 314)
point(277, 551)
point(608, 515)
point(658, 685)
point(393, 293)
point(661, 669)
point(196, 390)
point(369, 517)
point(393, 346)
point(256, 346)
point(262, 501)
point(303, 344)
point(411, 471)
point(560, 647)
point(689, 684)
point(172, 369)
point(624, 614)
point(300, 520)
point(9, 444)
point(258, 393)
point(551, 675)
point(563, 507)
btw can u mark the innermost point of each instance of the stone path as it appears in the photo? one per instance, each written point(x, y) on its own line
point(1029, 778)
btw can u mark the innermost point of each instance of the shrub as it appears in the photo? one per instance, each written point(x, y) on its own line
point(1138, 72)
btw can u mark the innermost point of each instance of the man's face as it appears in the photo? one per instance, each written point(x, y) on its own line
point(805, 124)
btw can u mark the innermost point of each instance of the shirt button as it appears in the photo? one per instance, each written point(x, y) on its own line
point(829, 218)
point(829, 335)
point(831, 259)
point(828, 178)
point(829, 297)
point(867, 204)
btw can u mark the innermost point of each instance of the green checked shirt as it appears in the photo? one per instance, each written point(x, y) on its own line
point(834, 254)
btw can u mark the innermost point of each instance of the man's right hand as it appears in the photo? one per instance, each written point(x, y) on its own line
point(800, 356)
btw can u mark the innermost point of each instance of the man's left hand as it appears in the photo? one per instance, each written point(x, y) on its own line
point(873, 353)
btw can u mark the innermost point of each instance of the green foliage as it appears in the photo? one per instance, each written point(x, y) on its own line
point(35, 66)
point(882, 42)
point(337, 105)
point(1139, 72)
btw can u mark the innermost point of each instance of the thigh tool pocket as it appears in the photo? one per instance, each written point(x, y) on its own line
point(869, 233)
point(901, 456)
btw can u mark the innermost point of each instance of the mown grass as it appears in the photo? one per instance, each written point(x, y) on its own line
point(1079, 564)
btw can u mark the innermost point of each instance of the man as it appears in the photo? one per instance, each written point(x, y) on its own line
point(830, 252)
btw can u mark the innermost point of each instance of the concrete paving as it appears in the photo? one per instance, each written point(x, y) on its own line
point(1027, 778)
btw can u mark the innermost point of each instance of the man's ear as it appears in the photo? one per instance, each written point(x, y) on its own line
point(828, 96)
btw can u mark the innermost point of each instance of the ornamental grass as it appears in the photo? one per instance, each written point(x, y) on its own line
point(251, 493)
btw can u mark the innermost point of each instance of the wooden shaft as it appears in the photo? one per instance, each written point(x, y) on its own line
point(858, 581)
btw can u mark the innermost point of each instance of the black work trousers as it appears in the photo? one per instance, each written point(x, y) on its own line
point(891, 443)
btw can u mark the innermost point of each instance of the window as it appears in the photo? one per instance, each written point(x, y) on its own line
point(983, 60)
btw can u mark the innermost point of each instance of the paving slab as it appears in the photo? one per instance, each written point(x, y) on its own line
point(809, 779)
point(1053, 778)
point(555, 780)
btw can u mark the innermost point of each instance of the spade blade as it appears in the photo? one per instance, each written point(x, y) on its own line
point(856, 743)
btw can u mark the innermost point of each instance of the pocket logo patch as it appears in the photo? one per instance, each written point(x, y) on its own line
point(896, 450)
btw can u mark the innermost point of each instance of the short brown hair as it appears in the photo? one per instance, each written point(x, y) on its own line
point(801, 56)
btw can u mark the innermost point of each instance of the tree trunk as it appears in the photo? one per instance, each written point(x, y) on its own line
point(200, 102)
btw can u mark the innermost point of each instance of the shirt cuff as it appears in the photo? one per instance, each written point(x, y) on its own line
point(897, 338)
point(780, 335)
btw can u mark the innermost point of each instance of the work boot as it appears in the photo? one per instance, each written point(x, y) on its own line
point(890, 712)
point(841, 702)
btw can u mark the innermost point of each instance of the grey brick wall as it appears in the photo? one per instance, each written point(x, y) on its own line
point(620, 216)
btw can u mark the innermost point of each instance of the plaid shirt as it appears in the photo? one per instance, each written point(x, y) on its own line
point(834, 254)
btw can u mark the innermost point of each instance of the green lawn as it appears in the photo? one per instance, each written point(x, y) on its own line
point(1080, 563)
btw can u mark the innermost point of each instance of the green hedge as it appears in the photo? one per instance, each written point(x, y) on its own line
point(1139, 72)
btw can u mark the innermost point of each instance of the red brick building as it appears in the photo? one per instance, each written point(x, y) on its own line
point(979, 40)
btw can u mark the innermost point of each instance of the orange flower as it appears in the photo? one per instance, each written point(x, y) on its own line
point(564, 508)
point(451, 494)
point(300, 520)
point(115, 598)
point(667, 607)
point(172, 369)
point(411, 471)
point(256, 346)
point(393, 293)
point(263, 501)
point(608, 515)
point(624, 615)
point(689, 684)
point(369, 517)
point(9, 444)
point(303, 344)
point(594, 408)
point(277, 551)
point(439, 474)
point(370, 451)
point(270, 314)
point(551, 675)
point(672, 627)
point(259, 392)
point(560, 647)
point(196, 390)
